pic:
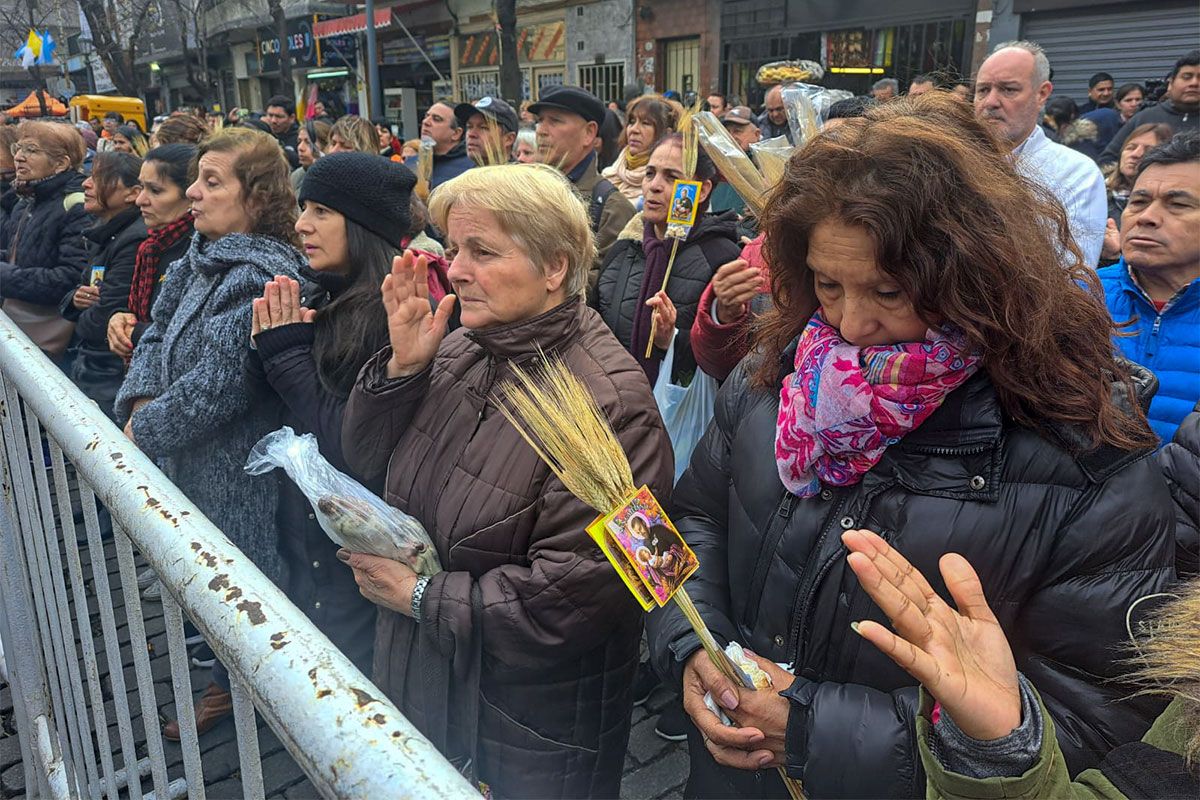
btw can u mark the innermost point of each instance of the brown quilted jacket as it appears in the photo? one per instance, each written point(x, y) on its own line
point(524, 660)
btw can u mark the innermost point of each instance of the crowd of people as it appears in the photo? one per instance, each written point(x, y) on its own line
point(958, 358)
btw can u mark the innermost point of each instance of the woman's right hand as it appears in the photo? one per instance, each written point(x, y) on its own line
point(415, 331)
point(735, 285)
point(120, 333)
point(86, 297)
point(962, 657)
point(741, 748)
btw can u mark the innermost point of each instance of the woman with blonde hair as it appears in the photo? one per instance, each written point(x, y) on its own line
point(353, 134)
point(42, 248)
point(1119, 182)
point(519, 657)
point(648, 119)
point(185, 402)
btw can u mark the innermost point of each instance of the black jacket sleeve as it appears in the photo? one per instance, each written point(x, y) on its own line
point(114, 294)
point(286, 359)
point(880, 732)
point(700, 511)
point(47, 285)
point(1180, 461)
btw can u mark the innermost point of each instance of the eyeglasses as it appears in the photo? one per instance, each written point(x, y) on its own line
point(30, 150)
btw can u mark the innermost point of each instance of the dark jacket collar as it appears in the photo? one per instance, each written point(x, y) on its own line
point(101, 232)
point(547, 331)
point(54, 186)
point(577, 174)
point(458, 151)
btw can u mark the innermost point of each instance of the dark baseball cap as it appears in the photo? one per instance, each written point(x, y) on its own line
point(492, 107)
point(574, 99)
point(738, 115)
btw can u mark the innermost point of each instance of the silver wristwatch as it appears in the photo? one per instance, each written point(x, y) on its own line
point(418, 596)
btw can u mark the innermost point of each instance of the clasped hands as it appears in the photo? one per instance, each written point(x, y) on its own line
point(959, 653)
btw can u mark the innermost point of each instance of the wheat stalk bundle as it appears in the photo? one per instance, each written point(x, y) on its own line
point(556, 414)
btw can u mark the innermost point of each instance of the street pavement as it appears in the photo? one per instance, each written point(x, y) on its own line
point(654, 768)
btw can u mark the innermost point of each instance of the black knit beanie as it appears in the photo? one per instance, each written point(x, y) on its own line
point(368, 189)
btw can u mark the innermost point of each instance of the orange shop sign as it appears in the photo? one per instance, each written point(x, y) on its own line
point(535, 43)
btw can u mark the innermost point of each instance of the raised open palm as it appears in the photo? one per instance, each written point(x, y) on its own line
point(962, 657)
point(414, 329)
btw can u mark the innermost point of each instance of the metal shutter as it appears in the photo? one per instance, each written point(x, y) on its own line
point(1132, 43)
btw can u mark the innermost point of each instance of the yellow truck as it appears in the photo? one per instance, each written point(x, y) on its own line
point(87, 106)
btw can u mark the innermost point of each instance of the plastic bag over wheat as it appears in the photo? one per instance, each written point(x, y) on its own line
point(347, 511)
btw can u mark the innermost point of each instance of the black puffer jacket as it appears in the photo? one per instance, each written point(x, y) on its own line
point(1063, 546)
point(113, 245)
point(712, 242)
point(282, 369)
point(1180, 461)
point(42, 249)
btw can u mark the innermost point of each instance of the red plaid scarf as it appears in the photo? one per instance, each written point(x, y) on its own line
point(145, 265)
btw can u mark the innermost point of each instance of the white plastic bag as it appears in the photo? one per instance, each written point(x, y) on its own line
point(686, 410)
point(751, 674)
point(348, 512)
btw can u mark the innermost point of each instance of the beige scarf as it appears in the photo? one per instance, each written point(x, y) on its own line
point(627, 173)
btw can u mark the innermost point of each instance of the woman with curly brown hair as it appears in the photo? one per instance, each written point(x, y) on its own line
point(184, 401)
point(929, 371)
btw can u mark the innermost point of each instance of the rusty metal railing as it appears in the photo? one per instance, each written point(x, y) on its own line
point(59, 626)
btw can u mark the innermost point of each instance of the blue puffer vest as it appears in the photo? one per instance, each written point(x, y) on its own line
point(1167, 343)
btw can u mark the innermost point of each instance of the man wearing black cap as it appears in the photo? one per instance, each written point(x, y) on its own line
point(569, 120)
point(491, 126)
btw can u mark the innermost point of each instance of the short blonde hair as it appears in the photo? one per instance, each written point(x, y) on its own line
point(536, 207)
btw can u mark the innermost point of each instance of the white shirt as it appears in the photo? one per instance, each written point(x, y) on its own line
point(1077, 183)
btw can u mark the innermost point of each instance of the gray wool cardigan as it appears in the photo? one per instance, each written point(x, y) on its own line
point(200, 425)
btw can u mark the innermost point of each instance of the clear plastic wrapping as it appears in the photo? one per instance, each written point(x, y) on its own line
point(735, 166)
point(347, 511)
point(789, 72)
point(772, 156)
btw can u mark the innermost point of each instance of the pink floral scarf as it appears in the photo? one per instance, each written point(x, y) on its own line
point(845, 405)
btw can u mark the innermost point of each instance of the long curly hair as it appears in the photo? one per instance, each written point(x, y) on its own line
point(262, 170)
point(971, 242)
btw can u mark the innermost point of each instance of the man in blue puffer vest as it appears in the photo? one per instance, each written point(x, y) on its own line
point(1156, 284)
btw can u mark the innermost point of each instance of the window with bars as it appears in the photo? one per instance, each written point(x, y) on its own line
point(474, 84)
point(606, 81)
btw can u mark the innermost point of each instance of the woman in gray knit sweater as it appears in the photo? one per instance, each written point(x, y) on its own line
point(184, 399)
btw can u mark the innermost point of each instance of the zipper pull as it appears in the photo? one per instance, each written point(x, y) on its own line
point(785, 508)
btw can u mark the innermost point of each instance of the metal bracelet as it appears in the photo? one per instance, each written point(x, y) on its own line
point(418, 596)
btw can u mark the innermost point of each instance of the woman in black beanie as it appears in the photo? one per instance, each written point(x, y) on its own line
point(310, 340)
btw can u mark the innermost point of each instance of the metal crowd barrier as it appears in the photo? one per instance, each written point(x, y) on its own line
point(58, 624)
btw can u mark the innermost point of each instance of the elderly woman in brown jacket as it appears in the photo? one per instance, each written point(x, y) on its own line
point(519, 658)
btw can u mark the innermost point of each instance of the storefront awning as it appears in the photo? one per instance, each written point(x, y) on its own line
point(352, 24)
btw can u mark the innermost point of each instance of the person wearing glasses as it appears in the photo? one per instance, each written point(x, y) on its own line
point(42, 248)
